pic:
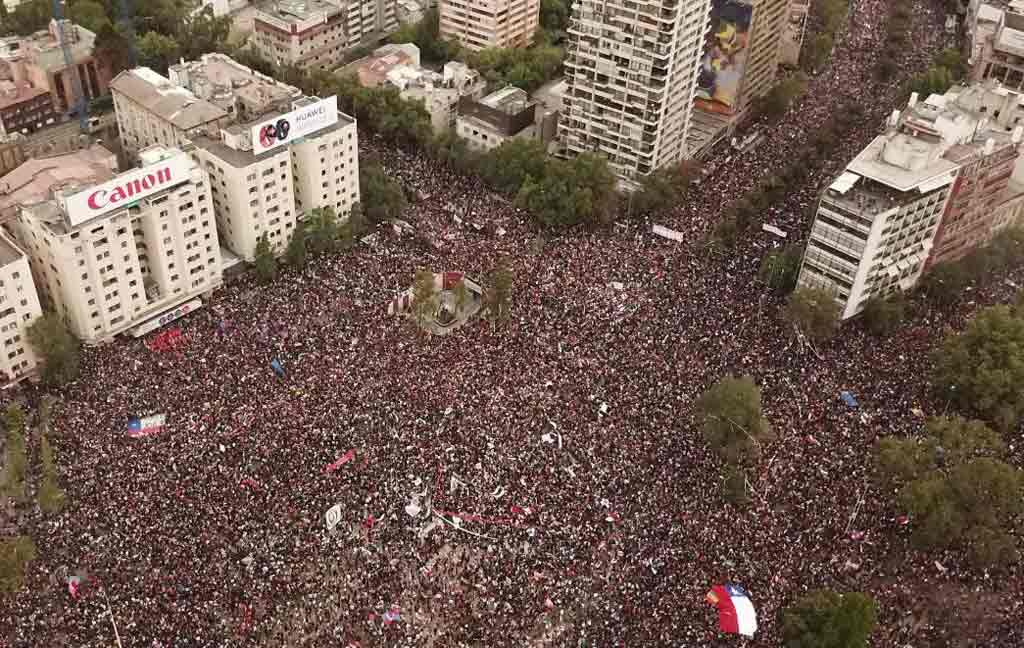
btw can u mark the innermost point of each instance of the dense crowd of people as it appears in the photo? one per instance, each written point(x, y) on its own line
point(539, 481)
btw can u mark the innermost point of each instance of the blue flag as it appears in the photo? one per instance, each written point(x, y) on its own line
point(848, 399)
point(275, 364)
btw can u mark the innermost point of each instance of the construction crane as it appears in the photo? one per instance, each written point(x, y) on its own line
point(127, 23)
point(77, 105)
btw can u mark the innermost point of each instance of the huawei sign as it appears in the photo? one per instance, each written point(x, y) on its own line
point(126, 189)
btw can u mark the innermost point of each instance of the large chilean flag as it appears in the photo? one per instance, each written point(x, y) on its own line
point(735, 611)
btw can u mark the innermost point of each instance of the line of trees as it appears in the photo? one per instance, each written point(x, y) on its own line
point(897, 38)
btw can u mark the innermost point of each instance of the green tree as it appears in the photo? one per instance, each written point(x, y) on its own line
point(424, 295)
point(508, 166)
point(57, 347)
point(883, 315)
point(775, 104)
point(828, 619)
point(15, 454)
point(381, 197)
point(499, 292)
point(663, 188)
point(982, 368)
point(295, 253)
point(201, 31)
point(730, 416)
point(89, 14)
point(818, 50)
point(814, 311)
point(51, 496)
point(266, 264)
point(28, 17)
point(554, 18)
point(956, 488)
point(781, 267)
point(426, 35)
point(112, 46)
point(570, 193)
point(451, 149)
point(945, 283)
point(157, 51)
point(15, 555)
point(322, 227)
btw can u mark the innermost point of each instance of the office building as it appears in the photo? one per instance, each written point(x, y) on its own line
point(937, 184)
point(19, 309)
point(34, 181)
point(317, 34)
point(631, 79)
point(25, 108)
point(271, 153)
point(489, 23)
point(114, 256)
point(487, 123)
point(398, 66)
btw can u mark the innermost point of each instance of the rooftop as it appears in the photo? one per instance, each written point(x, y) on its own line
point(509, 100)
point(45, 50)
point(240, 158)
point(373, 70)
point(34, 180)
point(903, 163)
point(9, 252)
point(294, 11)
point(173, 103)
point(230, 85)
point(12, 93)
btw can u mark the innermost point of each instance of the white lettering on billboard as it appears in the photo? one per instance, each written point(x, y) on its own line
point(126, 189)
point(278, 131)
point(175, 313)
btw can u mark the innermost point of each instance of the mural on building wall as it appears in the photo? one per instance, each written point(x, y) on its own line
point(725, 57)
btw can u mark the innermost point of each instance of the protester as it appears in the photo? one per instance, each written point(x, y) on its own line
point(560, 446)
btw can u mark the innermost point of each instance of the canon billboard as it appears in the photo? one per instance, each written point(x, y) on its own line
point(280, 130)
point(126, 189)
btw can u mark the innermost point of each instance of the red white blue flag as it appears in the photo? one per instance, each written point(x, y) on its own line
point(735, 611)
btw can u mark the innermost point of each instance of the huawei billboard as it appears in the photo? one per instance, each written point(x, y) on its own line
point(291, 126)
point(126, 189)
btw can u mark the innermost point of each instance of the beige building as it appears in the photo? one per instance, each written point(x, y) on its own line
point(35, 180)
point(113, 256)
point(631, 79)
point(261, 186)
point(316, 34)
point(489, 23)
point(487, 123)
point(152, 110)
point(19, 308)
point(398, 66)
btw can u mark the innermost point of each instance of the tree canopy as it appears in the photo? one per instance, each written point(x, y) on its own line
point(882, 315)
point(266, 264)
point(381, 197)
point(781, 267)
point(814, 311)
point(956, 488)
point(663, 188)
point(982, 368)
point(58, 349)
point(730, 415)
point(829, 619)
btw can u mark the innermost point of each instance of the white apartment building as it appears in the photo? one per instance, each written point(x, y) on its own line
point(116, 255)
point(277, 156)
point(19, 308)
point(631, 72)
point(876, 222)
point(316, 34)
point(481, 24)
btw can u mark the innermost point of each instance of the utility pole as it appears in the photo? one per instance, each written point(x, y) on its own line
point(113, 623)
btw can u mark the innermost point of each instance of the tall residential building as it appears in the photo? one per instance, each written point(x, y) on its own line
point(19, 308)
point(631, 78)
point(272, 154)
point(482, 24)
point(741, 57)
point(116, 255)
point(316, 34)
point(937, 184)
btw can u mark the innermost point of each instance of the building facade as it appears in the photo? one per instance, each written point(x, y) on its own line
point(631, 79)
point(110, 257)
point(19, 309)
point(941, 181)
point(25, 109)
point(489, 23)
point(35, 180)
point(489, 122)
point(41, 61)
point(317, 34)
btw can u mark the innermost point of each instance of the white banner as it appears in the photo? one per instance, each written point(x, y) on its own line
point(333, 516)
point(278, 131)
point(126, 189)
point(667, 233)
point(171, 315)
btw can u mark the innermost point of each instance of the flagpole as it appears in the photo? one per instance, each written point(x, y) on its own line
point(110, 611)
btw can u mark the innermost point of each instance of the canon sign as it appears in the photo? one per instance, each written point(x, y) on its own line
point(277, 131)
point(126, 189)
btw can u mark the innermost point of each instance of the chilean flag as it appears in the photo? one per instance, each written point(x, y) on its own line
point(735, 611)
point(146, 425)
